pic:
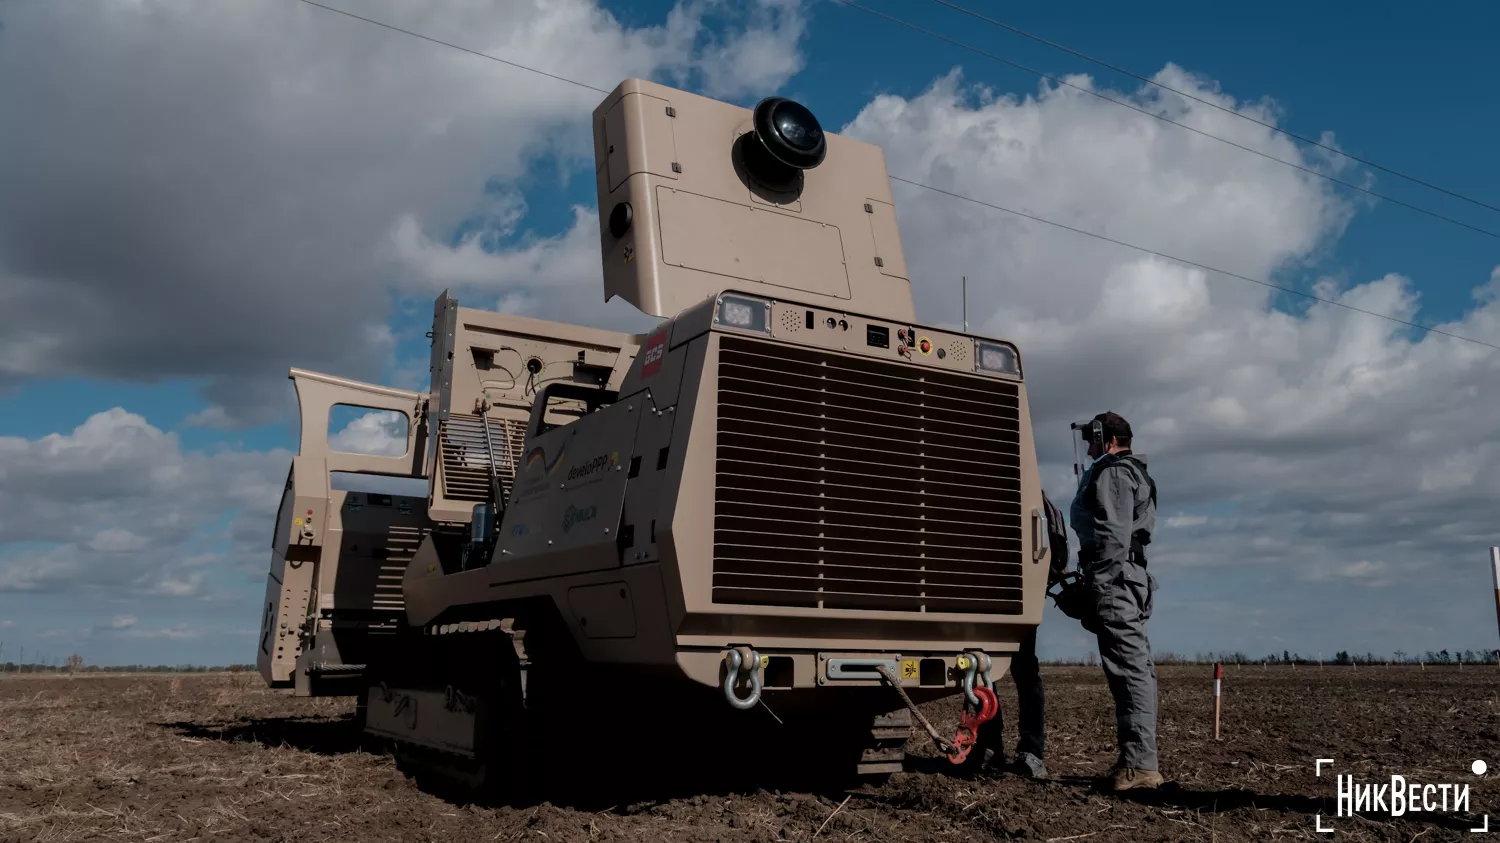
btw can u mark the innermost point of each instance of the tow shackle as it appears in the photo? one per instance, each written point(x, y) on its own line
point(976, 667)
point(737, 661)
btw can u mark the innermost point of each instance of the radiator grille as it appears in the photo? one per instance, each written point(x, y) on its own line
point(466, 456)
point(850, 483)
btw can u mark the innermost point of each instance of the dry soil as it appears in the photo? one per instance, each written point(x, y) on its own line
point(218, 757)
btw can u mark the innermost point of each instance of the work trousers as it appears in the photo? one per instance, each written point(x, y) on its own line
point(1031, 700)
point(1124, 593)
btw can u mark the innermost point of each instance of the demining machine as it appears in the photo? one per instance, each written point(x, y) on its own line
point(789, 505)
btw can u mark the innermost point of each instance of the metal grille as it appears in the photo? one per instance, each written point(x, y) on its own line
point(850, 483)
point(400, 546)
point(466, 456)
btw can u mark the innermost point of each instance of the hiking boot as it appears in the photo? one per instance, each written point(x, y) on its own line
point(1128, 777)
point(1028, 766)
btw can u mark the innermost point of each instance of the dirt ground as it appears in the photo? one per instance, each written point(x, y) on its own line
point(218, 757)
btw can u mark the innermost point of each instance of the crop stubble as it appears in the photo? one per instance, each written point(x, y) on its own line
point(218, 757)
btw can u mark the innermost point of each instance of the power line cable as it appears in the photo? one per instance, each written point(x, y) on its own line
point(1272, 127)
point(1064, 226)
point(455, 46)
point(1166, 119)
point(1202, 266)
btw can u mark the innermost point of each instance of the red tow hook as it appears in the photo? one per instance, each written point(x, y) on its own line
point(968, 725)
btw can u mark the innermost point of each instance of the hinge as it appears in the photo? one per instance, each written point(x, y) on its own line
point(676, 167)
point(869, 209)
point(879, 262)
point(671, 112)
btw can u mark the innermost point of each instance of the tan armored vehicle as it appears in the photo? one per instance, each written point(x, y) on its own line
point(785, 493)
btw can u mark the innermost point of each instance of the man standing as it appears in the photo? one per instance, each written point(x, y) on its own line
point(989, 748)
point(1114, 515)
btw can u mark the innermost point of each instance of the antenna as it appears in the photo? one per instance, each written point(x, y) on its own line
point(966, 304)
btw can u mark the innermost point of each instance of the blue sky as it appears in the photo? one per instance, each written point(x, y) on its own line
point(1398, 86)
point(1402, 86)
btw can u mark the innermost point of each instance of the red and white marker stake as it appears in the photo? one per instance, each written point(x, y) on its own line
point(1218, 674)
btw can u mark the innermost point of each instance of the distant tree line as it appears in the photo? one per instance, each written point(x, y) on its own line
point(12, 667)
point(1287, 657)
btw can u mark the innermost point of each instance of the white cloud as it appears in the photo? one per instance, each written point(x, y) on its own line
point(245, 161)
point(117, 505)
point(380, 432)
point(1331, 447)
point(122, 622)
point(1325, 438)
point(760, 58)
point(556, 278)
point(115, 540)
point(179, 632)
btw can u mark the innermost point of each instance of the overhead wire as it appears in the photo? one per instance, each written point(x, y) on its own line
point(1273, 127)
point(455, 46)
point(1202, 266)
point(1164, 255)
point(1165, 119)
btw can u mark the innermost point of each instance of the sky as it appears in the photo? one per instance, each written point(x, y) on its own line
point(194, 198)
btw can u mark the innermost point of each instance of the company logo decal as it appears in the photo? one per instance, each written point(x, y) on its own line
point(575, 515)
point(654, 353)
point(600, 463)
point(538, 457)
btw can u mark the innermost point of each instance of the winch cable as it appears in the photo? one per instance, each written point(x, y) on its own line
point(944, 745)
point(957, 750)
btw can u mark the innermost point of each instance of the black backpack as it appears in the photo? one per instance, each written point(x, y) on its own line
point(1057, 536)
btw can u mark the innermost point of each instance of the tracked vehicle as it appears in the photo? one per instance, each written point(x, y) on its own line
point(763, 513)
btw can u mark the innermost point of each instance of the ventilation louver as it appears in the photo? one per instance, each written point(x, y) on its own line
point(466, 455)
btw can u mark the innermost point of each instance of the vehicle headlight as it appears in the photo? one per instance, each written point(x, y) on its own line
point(745, 313)
point(996, 357)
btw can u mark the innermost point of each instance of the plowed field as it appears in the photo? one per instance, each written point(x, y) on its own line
point(217, 757)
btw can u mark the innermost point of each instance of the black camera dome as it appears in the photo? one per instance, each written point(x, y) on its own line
point(790, 133)
point(785, 139)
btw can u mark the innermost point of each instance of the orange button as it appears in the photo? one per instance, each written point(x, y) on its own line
point(925, 345)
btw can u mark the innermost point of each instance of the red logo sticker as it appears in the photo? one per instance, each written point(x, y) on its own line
point(656, 351)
